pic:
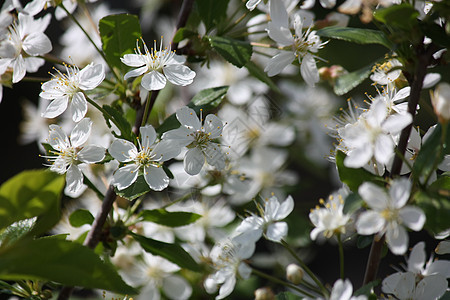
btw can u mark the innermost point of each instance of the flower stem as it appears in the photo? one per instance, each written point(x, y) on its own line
point(305, 267)
point(89, 183)
point(341, 256)
point(90, 40)
point(148, 106)
point(287, 284)
point(104, 112)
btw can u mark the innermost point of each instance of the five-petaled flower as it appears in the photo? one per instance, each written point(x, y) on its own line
point(157, 67)
point(148, 157)
point(69, 87)
point(70, 152)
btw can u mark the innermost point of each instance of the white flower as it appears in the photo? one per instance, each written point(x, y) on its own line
point(20, 47)
point(158, 67)
point(148, 158)
point(420, 281)
point(343, 290)
point(443, 247)
point(71, 152)
point(253, 227)
point(251, 4)
point(371, 136)
point(198, 138)
point(330, 219)
point(69, 87)
point(441, 102)
point(383, 73)
point(389, 214)
point(303, 44)
point(308, 4)
point(228, 260)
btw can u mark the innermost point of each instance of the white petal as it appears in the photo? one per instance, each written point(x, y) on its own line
point(431, 79)
point(285, 208)
point(80, 133)
point(328, 3)
point(404, 289)
point(156, 178)
point(148, 136)
point(227, 288)
point(402, 94)
point(277, 63)
point(74, 179)
point(181, 136)
point(125, 176)
point(342, 290)
point(369, 222)
point(56, 107)
point(193, 161)
point(91, 154)
point(37, 43)
point(307, 4)
point(416, 258)
point(251, 4)
point(176, 287)
point(399, 192)
point(165, 150)
point(179, 74)
point(133, 60)
point(395, 123)
point(384, 148)
point(278, 13)
point(374, 196)
point(32, 64)
point(397, 239)
point(136, 72)
point(213, 125)
point(153, 81)
point(308, 69)
point(358, 157)
point(441, 267)
point(19, 69)
point(91, 76)
point(188, 118)
point(281, 35)
point(57, 138)
point(277, 231)
point(390, 283)
point(214, 156)
point(443, 247)
point(431, 287)
point(78, 107)
point(122, 150)
point(412, 217)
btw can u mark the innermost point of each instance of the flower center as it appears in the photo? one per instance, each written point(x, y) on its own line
point(201, 139)
point(389, 214)
point(144, 158)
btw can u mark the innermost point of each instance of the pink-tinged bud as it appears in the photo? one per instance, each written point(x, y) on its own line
point(294, 273)
point(264, 293)
point(441, 102)
point(331, 73)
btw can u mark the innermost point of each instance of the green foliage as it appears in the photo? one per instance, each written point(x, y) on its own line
point(234, 51)
point(364, 241)
point(431, 154)
point(347, 82)
point(137, 189)
point(436, 208)
point(403, 16)
point(81, 217)
point(170, 219)
point(352, 203)
point(120, 121)
point(171, 252)
point(30, 194)
point(16, 231)
point(355, 35)
point(119, 33)
point(256, 72)
point(206, 99)
point(287, 296)
point(183, 33)
point(62, 261)
point(212, 12)
point(367, 288)
point(354, 177)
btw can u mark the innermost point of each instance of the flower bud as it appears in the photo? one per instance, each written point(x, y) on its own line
point(441, 102)
point(264, 293)
point(294, 273)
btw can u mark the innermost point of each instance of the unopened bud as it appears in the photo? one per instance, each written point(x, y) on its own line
point(441, 102)
point(264, 293)
point(294, 273)
point(331, 73)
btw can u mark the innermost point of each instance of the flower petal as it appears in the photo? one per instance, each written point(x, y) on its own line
point(341, 290)
point(74, 179)
point(156, 178)
point(412, 217)
point(384, 148)
point(417, 258)
point(359, 157)
point(148, 136)
point(397, 239)
point(19, 69)
point(193, 161)
point(280, 61)
point(285, 208)
point(179, 74)
point(78, 107)
point(136, 72)
point(400, 191)
point(80, 133)
point(125, 176)
point(165, 150)
point(37, 43)
point(309, 71)
point(395, 123)
point(123, 150)
point(374, 196)
point(277, 231)
point(369, 222)
point(91, 154)
point(133, 60)
point(176, 287)
point(431, 287)
point(213, 126)
point(153, 81)
point(56, 107)
point(91, 76)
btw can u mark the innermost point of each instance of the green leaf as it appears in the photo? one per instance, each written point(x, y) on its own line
point(212, 12)
point(353, 202)
point(81, 217)
point(171, 252)
point(256, 72)
point(120, 121)
point(367, 288)
point(206, 100)
point(137, 189)
point(348, 82)
point(16, 231)
point(119, 34)
point(364, 241)
point(436, 33)
point(355, 35)
point(430, 154)
point(183, 33)
point(62, 261)
point(436, 209)
point(403, 16)
point(287, 296)
point(235, 51)
point(170, 219)
point(353, 177)
point(29, 194)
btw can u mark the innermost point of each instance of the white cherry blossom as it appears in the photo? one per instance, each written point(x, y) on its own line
point(68, 88)
point(198, 136)
point(389, 214)
point(157, 66)
point(148, 158)
point(70, 152)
